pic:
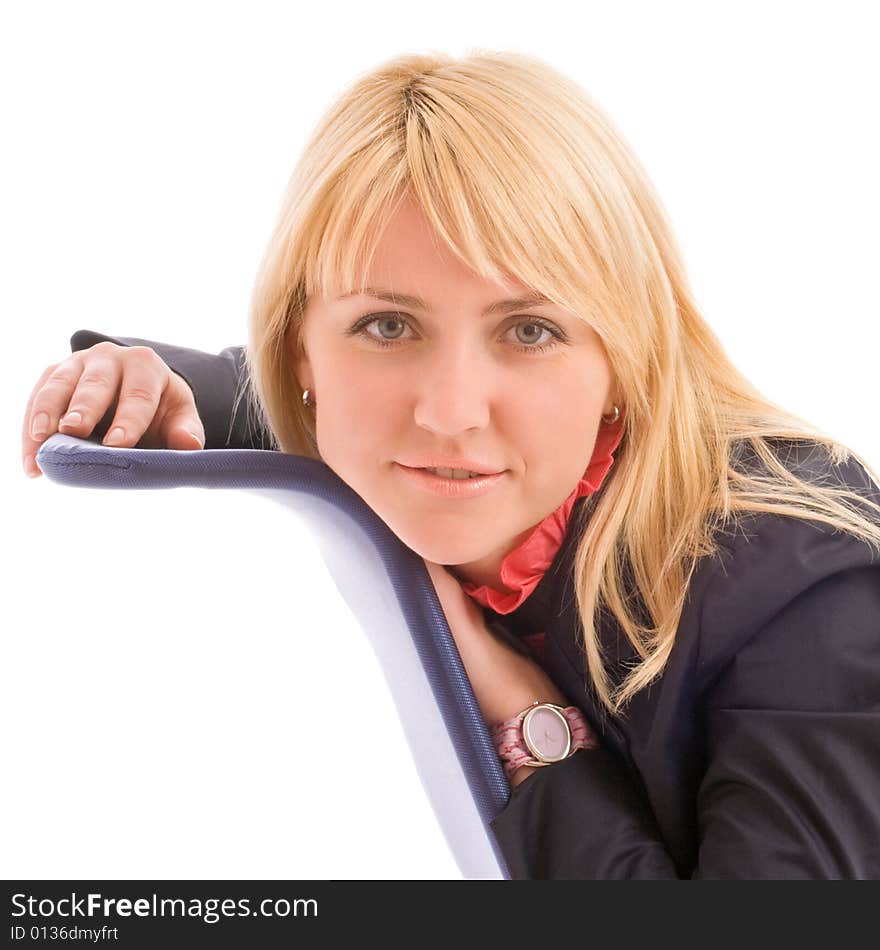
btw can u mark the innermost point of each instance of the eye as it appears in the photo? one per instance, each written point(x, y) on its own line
point(535, 327)
point(381, 320)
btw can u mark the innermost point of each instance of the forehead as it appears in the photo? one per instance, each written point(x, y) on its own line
point(412, 265)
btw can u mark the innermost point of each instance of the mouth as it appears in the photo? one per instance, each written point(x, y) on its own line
point(451, 483)
point(456, 473)
point(449, 467)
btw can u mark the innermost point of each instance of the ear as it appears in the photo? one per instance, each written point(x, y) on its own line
point(299, 360)
point(612, 400)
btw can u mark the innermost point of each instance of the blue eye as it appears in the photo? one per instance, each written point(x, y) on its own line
point(556, 336)
point(360, 328)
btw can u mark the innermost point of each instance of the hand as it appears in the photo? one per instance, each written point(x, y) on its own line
point(504, 681)
point(463, 613)
point(154, 406)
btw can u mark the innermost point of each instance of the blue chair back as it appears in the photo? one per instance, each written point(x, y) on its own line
point(387, 588)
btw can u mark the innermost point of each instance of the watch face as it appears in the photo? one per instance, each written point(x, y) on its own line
point(546, 733)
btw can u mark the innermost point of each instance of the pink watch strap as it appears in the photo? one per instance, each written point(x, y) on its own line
point(513, 751)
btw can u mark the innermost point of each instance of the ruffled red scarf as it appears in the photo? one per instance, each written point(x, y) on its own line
point(524, 566)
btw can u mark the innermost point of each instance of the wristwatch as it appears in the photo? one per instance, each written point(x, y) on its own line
point(542, 734)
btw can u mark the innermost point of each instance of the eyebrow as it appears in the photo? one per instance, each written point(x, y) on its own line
point(416, 303)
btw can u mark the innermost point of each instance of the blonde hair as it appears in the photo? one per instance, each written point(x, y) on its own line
point(523, 175)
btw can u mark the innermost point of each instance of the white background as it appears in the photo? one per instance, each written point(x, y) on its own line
point(152, 719)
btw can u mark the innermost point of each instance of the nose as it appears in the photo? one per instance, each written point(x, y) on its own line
point(453, 392)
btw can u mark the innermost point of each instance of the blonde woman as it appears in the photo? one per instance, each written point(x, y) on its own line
point(665, 589)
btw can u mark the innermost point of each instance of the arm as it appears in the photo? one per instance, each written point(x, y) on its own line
point(791, 788)
point(581, 819)
point(217, 382)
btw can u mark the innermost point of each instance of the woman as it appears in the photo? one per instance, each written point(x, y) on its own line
point(683, 575)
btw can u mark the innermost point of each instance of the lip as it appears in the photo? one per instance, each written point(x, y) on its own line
point(437, 461)
point(450, 487)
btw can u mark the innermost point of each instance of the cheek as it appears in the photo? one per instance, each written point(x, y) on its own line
point(565, 407)
point(560, 435)
point(355, 416)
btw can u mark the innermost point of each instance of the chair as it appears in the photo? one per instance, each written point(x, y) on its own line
point(388, 589)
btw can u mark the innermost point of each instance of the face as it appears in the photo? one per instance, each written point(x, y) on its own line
point(522, 389)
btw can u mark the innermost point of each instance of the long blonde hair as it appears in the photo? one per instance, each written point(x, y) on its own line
point(523, 175)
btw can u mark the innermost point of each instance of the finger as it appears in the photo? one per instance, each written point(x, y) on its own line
point(144, 379)
point(50, 401)
point(30, 443)
point(95, 392)
point(177, 424)
point(183, 430)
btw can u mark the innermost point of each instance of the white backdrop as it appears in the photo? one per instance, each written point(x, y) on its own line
point(150, 719)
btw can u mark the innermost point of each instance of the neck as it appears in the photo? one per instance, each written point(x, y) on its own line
point(486, 571)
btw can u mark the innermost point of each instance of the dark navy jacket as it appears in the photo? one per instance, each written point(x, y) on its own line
point(755, 755)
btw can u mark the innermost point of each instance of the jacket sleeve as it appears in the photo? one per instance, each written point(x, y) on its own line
point(219, 385)
point(791, 786)
point(581, 819)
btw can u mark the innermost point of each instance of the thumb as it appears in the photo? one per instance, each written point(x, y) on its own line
point(184, 432)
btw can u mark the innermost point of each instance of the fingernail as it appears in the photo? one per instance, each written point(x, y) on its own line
point(40, 425)
point(115, 436)
point(195, 437)
point(31, 469)
point(72, 419)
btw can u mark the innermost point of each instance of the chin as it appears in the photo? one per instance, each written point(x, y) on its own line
point(446, 552)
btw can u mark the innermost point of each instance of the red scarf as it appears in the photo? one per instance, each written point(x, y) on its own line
point(524, 566)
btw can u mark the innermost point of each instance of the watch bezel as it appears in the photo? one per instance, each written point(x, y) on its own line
point(536, 753)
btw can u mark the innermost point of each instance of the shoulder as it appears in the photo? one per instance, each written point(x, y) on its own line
point(783, 590)
point(811, 461)
point(785, 552)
